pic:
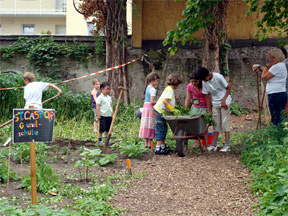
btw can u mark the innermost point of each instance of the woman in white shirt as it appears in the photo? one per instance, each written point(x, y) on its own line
point(275, 73)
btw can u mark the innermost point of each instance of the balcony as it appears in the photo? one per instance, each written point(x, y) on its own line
point(55, 8)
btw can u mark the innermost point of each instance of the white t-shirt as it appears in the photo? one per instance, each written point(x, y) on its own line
point(105, 103)
point(217, 88)
point(33, 94)
point(278, 82)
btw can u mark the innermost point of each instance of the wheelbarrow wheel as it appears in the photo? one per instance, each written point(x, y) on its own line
point(181, 144)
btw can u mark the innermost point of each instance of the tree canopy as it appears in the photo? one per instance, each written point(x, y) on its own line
point(274, 19)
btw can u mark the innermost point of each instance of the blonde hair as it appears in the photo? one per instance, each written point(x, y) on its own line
point(95, 81)
point(29, 76)
point(174, 80)
point(278, 54)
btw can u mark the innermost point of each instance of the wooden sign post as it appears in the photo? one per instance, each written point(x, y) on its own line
point(31, 125)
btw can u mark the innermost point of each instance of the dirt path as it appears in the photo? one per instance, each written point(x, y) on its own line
point(212, 184)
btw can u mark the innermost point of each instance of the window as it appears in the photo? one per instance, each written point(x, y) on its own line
point(28, 29)
point(60, 30)
point(91, 27)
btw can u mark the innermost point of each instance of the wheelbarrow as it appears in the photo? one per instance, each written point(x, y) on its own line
point(185, 128)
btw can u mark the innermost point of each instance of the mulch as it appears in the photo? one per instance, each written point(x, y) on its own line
point(198, 184)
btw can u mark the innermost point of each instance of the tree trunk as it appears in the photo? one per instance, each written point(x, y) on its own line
point(116, 52)
point(213, 39)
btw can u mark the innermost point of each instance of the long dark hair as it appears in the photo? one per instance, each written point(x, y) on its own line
point(150, 77)
point(195, 76)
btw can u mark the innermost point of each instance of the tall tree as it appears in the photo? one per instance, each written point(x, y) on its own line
point(211, 17)
point(109, 16)
point(274, 19)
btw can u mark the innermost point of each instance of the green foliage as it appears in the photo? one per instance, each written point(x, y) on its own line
point(46, 178)
point(68, 106)
point(266, 155)
point(6, 52)
point(4, 171)
point(7, 209)
point(237, 109)
point(197, 15)
point(274, 17)
point(92, 157)
point(45, 55)
point(133, 150)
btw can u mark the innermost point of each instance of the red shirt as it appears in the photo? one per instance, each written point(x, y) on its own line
point(197, 95)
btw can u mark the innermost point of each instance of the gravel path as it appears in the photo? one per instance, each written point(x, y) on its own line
point(198, 184)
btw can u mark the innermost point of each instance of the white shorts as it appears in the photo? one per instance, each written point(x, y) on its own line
point(222, 119)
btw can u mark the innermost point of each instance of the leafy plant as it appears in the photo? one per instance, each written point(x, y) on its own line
point(133, 150)
point(46, 178)
point(4, 171)
point(237, 109)
point(92, 158)
point(266, 155)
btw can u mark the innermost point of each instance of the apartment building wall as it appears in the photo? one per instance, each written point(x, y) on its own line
point(45, 15)
point(14, 25)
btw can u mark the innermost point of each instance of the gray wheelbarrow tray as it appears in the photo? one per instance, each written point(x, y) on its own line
point(187, 127)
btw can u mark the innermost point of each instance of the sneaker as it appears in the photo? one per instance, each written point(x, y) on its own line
point(226, 148)
point(100, 143)
point(212, 148)
point(165, 151)
point(158, 152)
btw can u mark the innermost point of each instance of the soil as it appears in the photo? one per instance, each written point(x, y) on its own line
point(198, 184)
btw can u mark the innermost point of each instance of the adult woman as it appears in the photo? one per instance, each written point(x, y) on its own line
point(275, 74)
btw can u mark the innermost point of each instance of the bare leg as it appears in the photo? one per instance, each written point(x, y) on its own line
point(95, 126)
point(146, 142)
point(227, 136)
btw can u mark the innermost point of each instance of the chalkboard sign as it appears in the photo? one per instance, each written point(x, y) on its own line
point(33, 125)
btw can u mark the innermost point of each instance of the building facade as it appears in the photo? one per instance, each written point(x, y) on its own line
point(56, 17)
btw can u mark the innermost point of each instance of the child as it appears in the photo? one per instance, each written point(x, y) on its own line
point(147, 127)
point(194, 93)
point(33, 91)
point(166, 102)
point(94, 94)
point(215, 85)
point(104, 110)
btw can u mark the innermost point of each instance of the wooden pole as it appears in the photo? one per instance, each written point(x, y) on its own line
point(33, 170)
point(113, 120)
point(258, 98)
point(9, 159)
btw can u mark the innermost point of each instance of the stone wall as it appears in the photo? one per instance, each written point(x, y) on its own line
point(242, 78)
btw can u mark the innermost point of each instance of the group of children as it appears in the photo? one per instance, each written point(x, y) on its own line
point(207, 91)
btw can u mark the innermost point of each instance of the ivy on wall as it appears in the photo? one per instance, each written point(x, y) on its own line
point(45, 55)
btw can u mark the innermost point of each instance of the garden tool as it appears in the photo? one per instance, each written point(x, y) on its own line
point(113, 119)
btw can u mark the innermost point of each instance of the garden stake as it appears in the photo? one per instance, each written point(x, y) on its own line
point(11, 120)
point(113, 120)
point(128, 162)
point(9, 159)
point(33, 170)
point(152, 145)
point(258, 99)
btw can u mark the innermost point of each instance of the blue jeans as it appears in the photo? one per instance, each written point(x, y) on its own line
point(277, 103)
point(160, 127)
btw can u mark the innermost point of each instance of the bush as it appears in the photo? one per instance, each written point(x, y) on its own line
point(68, 106)
point(266, 155)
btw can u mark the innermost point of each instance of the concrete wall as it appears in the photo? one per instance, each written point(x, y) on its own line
point(242, 78)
